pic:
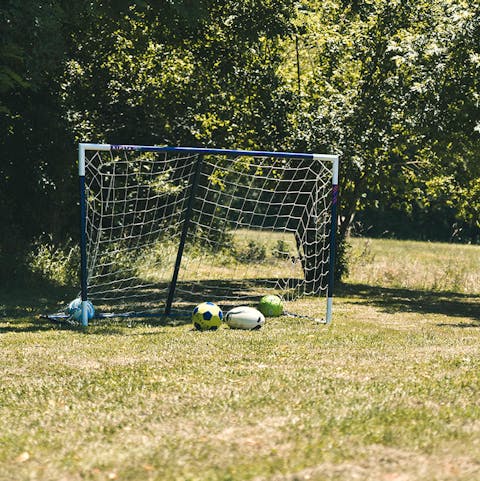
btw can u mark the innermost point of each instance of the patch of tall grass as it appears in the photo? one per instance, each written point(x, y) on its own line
point(374, 262)
point(415, 265)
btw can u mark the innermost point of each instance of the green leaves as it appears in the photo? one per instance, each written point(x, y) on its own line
point(145, 78)
point(394, 89)
point(391, 86)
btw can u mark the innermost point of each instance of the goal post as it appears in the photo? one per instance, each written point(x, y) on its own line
point(163, 228)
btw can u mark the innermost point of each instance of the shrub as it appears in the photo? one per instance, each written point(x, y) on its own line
point(281, 250)
point(56, 263)
point(253, 252)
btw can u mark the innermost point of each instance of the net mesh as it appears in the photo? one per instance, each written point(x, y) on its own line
point(253, 225)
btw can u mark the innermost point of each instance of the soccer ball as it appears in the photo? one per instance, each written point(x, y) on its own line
point(270, 306)
point(74, 310)
point(207, 317)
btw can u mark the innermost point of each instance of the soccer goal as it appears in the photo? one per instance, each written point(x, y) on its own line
point(164, 228)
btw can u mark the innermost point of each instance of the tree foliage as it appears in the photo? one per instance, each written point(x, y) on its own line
point(163, 75)
point(393, 86)
point(33, 133)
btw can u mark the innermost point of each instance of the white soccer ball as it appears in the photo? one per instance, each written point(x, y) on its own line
point(74, 309)
point(244, 317)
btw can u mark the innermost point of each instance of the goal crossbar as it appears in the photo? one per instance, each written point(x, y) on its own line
point(204, 151)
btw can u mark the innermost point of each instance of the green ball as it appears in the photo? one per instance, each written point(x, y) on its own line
point(270, 306)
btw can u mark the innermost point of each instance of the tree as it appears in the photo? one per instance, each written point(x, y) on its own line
point(33, 136)
point(445, 79)
point(176, 72)
point(382, 92)
point(160, 75)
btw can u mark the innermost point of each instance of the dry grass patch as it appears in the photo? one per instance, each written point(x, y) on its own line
point(415, 265)
point(386, 464)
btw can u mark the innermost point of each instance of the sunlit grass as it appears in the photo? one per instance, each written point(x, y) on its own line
point(226, 263)
point(415, 265)
point(388, 392)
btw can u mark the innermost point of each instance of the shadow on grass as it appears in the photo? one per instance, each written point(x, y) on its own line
point(24, 309)
point(33, 300)
point(25, 323)
point(21, 307)
point(394, 300)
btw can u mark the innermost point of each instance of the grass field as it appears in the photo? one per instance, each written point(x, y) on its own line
point(390, 391)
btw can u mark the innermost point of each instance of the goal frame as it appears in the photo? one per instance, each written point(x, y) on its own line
point(84, 147)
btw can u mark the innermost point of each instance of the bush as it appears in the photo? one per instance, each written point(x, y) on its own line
point(253, 252)
point(342, 254)
point(281, 250)
point(55, 263)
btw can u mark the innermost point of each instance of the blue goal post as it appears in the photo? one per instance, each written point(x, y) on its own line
point(259, 188)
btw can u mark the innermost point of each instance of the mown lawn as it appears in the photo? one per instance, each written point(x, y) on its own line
point(389, 391)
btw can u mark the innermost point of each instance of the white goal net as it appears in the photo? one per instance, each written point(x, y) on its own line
point(166, 228)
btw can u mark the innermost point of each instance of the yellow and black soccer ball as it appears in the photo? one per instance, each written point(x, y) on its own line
point(207, 317)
